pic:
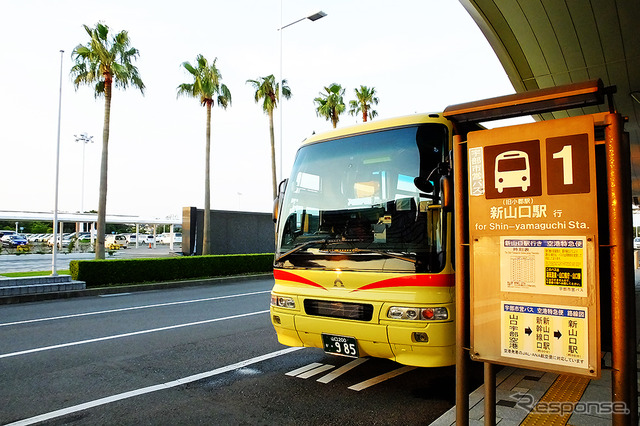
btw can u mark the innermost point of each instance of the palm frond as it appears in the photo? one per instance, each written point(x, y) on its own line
point(365, 98)
point(267, 90)
point(206, 84)
point(331, 104)
point(104, 57)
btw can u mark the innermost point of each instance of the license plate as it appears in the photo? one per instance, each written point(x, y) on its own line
point(340, 345)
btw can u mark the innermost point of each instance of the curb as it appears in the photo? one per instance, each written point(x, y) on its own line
point(8, 300)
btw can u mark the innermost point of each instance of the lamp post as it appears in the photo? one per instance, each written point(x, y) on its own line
point(85, 139)
point(313, 17)
point(54, 272)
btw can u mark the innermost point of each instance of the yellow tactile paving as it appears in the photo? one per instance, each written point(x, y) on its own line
point(566, 390)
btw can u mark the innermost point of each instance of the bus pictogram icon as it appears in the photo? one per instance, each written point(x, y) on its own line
point(512, 171)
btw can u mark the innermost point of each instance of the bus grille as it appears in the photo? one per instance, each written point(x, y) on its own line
point(353, 311)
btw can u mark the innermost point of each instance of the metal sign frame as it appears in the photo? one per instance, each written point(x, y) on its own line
point(619, 245)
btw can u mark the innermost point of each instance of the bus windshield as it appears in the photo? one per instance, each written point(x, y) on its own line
point(353, 201)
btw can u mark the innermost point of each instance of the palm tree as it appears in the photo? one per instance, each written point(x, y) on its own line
point(268, 91)
point(105, 62)
point(207, 87)
point(365, 98)
point(331, 104)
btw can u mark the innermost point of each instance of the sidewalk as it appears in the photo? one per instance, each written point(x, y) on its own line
point(531, 386)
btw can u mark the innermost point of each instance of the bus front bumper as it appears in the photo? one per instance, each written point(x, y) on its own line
point(390, 340)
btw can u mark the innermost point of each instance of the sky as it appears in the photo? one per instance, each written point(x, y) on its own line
point(420, 55)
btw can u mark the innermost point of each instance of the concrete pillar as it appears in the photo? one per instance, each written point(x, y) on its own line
point(60, 232)
point(171, 237)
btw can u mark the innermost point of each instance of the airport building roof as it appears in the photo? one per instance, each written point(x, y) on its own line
point(6, 215)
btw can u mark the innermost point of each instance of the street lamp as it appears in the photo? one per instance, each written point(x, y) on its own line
point(313, 17)
point(54, 272)
point(85, 140)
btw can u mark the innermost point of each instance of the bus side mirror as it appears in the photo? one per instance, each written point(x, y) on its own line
point(278, 201)
point(423, 184)
point(274, 214)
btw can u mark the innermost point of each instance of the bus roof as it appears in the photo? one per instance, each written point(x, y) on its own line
point(373, 126)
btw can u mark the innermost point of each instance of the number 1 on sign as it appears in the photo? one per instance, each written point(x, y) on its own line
point(567, 164)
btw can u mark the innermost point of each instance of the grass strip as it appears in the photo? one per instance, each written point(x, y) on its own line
point(33, 273)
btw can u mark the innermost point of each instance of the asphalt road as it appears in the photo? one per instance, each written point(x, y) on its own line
point(198, 355)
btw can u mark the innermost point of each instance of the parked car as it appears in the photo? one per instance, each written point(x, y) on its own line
point(63, 241)
point(146, 239)
point(5, 232)
point(131, 238)
point(14, 240)
point(636, 243)
point(35, 238)
point(166, 238)
point(115, 239)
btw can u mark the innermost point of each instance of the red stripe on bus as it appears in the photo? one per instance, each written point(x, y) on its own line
point(288, 276)
point(436, 280)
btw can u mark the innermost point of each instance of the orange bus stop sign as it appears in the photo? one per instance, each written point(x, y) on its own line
point(533, 244)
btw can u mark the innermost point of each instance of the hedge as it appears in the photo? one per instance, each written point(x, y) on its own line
point(98, 273)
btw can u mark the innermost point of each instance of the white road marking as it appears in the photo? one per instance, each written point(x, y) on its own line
point(315, 371)
point(381, 378)
point(149, 389)
point(340, 371)
point(114, 295)
point(133, 308)
point(134, 333)
point(303, 369)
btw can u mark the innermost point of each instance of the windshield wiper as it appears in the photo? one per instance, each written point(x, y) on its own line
point(326, 241)
point(384, 253)
point(300, 247)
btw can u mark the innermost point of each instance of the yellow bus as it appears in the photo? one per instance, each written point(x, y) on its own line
point(363, 263)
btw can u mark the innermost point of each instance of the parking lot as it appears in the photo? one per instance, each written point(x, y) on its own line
point(42, 262)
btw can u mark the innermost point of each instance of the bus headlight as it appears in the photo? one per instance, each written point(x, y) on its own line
point(418, 314)
point(283, 302)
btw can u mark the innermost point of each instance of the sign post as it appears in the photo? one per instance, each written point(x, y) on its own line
point(623, 312)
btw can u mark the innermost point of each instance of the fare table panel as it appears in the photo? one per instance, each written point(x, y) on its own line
point(533, 246)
